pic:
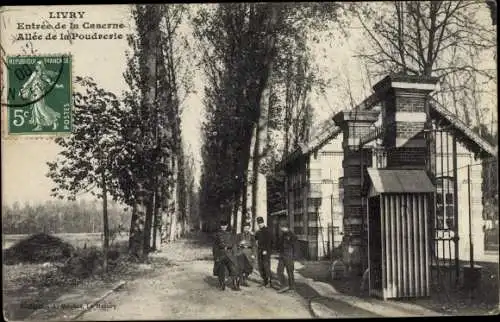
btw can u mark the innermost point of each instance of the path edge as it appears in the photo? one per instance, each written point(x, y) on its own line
point(97, 300)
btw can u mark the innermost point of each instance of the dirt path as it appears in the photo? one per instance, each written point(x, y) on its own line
point(187, 290)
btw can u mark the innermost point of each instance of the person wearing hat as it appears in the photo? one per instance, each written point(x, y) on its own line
point(286, 248)
point(223, 252)
point(264, 248)
point(246, 250)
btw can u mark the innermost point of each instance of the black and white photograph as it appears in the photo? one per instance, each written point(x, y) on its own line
point(270, 160)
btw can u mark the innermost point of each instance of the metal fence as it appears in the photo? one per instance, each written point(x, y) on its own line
point(465, 216)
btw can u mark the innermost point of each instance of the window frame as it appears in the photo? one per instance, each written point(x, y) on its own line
point(445, 203)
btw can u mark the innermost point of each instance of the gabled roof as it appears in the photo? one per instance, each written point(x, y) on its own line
point(473, 141)
point(328, 130)
point(323, 133)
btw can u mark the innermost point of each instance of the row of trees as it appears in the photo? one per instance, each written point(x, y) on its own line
point(130, 150)
point(58, 216)
point(259, 76)
point(453, 40)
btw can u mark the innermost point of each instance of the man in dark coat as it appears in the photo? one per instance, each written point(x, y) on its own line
point(286, 247)
point(224, 255)
point(264, 248)
point(246, 252)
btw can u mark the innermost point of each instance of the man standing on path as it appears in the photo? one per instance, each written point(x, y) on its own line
point(286, 247)
point(246, 252)
point(264, 240)
point(223, 251)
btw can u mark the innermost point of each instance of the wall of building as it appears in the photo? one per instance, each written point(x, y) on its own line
point(313, 193)
point(325, 173)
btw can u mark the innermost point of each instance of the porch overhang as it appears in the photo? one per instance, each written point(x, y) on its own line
point(399, 181)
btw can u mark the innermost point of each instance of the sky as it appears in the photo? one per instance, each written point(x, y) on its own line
point(24, 160)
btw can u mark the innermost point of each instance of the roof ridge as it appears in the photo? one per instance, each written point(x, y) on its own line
point(453, 118)
point(327, 128)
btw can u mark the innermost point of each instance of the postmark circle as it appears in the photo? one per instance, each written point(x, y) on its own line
point(38, 82)
point(22, 73)
point(25, 71)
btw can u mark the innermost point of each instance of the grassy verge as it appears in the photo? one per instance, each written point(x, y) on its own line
point(32, 286)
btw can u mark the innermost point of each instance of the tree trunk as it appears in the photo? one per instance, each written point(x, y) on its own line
point(244, 198)
point(136, 238)
point(189, 214)
point(244, 164)
point(149, 33)
point(239, 215)
point(255, 171)
point(182, 192)
point(133, 219)
point(234, 213)
point(105, 220)
point(260, 129)
point(148, 225)
point(156, 223)
point(165, 219)
point(173, 212)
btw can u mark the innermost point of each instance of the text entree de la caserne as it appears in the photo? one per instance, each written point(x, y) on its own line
point(62, 30)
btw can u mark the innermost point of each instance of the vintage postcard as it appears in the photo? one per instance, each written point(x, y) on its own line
point(249, 160)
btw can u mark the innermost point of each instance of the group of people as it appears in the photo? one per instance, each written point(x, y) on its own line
point(237, 255)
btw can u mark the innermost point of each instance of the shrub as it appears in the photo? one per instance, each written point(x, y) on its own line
point(88, 262)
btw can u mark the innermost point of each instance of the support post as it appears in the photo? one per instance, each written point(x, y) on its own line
point(455, 210)
point(331, 219)
point(471, 244)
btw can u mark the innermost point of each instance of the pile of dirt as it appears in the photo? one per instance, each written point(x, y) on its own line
point(70, 261)
point(38, 248)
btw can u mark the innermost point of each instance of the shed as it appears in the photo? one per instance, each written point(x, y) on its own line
point(398, 238)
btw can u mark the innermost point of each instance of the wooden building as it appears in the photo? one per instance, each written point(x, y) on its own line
point(314, 193)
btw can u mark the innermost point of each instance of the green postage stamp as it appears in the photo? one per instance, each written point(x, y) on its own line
point(39, 94)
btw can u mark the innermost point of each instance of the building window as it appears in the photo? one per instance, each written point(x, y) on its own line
point(445, 215)
point(296, 204)
point(298, 218)
point(313, 231)
point(439, 199)
point(449, 198)
point(313, 216)
point(315, 187)
point(341, 189)
point(315, 174)
point(298, 230)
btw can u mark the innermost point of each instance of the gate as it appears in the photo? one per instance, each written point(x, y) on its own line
point(464, 220)
point(444, 221)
